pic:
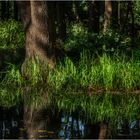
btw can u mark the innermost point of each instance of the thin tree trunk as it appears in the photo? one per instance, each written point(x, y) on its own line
point(132, 25)
point(126, 18)
point(15, 11)
point(7, 9)
point(61, 20)
point(107, 15)
point(115, 14)
point(119, 16)
point(3, 10)
point(25, 13)
point(103, 131)
point(94, 24)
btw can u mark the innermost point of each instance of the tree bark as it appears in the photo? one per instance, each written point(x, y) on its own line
point(34, 121)
point(103, 131)
point(39, 30)
point(15, 11)
point(107, 15)
point(116, 14)
point(7, 9)
point(61, 20)
point(3, 9)
point(94, 24)
point(25, 13)
point(40, 34)
point(132, 25)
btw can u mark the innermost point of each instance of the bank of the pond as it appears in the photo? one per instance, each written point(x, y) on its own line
point(103, 73)
point(96, 108)
point(99, 88)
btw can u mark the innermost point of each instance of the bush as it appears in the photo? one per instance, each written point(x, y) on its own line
point(11, 42)
point(11, 34)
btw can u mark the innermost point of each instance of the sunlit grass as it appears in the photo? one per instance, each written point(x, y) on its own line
point(105, 72)
point(66, 87)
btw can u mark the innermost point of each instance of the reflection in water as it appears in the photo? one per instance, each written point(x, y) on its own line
point(128, 130)
point(44, 123)
point(71, 128)
point(10, 121)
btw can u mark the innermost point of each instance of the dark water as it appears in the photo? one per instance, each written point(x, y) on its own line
point(64, 127)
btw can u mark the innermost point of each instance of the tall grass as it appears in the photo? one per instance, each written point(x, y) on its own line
point(106, 72)
point(66, 86)
point(103, 72)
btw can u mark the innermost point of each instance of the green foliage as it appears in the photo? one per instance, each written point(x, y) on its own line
point(100, 107)
point(107, 72)
point(136, 8)
point(80, 38)
point(9, 95)
point(13, 76)
point(11, 43)
point(11, 35)
point(67, 87)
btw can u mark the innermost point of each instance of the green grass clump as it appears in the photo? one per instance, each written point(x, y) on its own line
point(104, 72)
point(11, 35)
point(12, 76)
point(98, 108)
point(9, 96)
point(66, 86)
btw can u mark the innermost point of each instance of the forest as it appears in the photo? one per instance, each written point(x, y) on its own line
point(70, 58)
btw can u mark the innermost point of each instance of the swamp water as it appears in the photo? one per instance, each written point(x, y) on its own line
point(43, 125)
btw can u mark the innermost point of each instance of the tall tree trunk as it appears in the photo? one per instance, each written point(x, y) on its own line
point(125, 18)
point(36, 17)
point(115, 14)
point(15, 11)
point(61, 20)
point(107, 15)
point(94, 24)
point(7, 9)
point(3, 10)
point(25, 13)
point(39, 37)
point(119, 16)
point(132, 24)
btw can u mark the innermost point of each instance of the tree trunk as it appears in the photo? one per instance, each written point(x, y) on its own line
point(40, 40)
point(119, 16)
point(3, 10)
point(25, 13)
point(7, 9)
point(94, 16)
point(35, 122)
point(103, 131)
point(15, 11)
point(132, 25)
point(92, 131)
point(125, 18)
point(107, 15)
point(39, 37)
point(116, 14)
point(61, 20)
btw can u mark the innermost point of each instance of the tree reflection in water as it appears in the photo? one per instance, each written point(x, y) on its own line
point(45, 123)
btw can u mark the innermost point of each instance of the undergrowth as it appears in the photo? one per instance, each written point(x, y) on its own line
point(81, 86)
